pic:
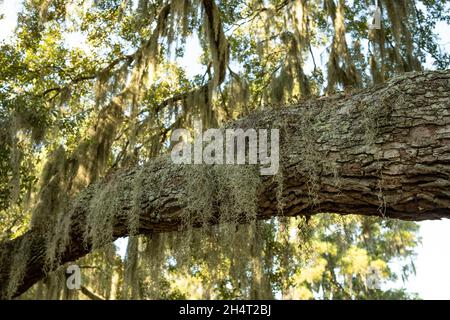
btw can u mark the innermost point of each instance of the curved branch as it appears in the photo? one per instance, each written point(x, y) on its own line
point(91, 295)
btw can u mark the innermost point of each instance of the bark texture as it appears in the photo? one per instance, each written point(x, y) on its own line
point(381, 151)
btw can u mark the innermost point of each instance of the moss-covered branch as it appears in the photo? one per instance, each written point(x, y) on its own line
point(382, 151)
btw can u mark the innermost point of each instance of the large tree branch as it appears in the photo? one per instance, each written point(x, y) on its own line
point(382, 151)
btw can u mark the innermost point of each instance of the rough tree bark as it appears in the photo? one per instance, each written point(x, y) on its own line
point(388, 146)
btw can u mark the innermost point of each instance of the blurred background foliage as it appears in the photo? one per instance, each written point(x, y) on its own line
point(66, 62)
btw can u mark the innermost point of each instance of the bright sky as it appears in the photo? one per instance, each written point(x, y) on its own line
point(432, 280)
point(7, 25)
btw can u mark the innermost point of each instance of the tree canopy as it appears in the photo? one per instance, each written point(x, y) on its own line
point(75, 112)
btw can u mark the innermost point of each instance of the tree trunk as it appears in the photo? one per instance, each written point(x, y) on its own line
point(382, 151)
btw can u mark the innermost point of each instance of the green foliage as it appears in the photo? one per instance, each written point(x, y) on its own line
point(111, 98)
